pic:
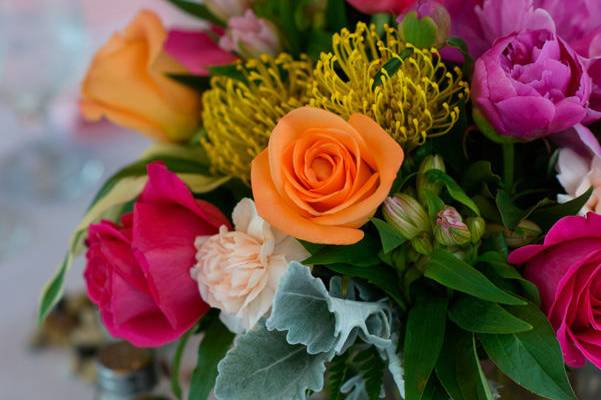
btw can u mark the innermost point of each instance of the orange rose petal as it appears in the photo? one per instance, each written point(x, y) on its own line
point(291, 127)
point(126, 82)
point(280, 215)
point(364, 192)
point(389, 158)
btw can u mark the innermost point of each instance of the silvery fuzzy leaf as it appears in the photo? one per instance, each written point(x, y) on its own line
point(263, 365)
point(311, 316)
point(331, 322)
point(354, 388)
point(393, 360)
point(301, 307)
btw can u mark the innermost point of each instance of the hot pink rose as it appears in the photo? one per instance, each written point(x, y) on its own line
point(382, 6)
point(197, 51)
point(138, 273)
point(567, 271)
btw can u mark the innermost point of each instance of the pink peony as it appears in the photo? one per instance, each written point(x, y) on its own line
point(481, 22)
point(531, 84)
point(382, 6)
point(197, 51)
point(567, 271)
point(137, 273)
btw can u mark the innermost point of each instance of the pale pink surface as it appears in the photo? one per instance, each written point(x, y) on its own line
point(196, 50)
point(567, 271)
point(138, 272)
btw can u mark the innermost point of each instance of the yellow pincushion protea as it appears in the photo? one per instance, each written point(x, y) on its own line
point(419, 100)
point(239, 114)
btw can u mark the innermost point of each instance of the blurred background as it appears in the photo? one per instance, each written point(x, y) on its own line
point(51, 164)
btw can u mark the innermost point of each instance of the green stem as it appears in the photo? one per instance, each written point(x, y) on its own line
point(508, 162)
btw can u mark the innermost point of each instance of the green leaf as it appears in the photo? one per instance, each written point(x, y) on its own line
point(488, 130)
point(197, 10)
point(319, 42)
point(198, 83)
point(455, 191)
point(176, 364)
point(390, 237)
point(468, 62)
point(433, 203)
point(532, 359)
point(456, 274)
point(477, 174)
point(371, 370)
point(282, 13)
point(363, 254)
point(302, 301)
point(379, 275)
point(546, 217)
point(229, 71)
point(434, 390)
point(262, 365)
point(338, 371)
point(391, 67)
point(419, 32)
point(335, 16)
point(211, 351)
point(424, 337)
point(511, 215)
point(458, 367)
point(479, 316)
point(53, 291)
point(498, 263)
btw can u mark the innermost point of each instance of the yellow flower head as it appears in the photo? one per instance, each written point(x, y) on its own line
point(239, 114)
point(418, 99)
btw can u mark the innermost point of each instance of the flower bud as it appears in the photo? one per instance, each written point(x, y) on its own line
point(525, 233)
point(226, 9)
point(450, 229)
point(477, 226)
point(422, 244)
point(423, 184)
point(250, 36)
point(405, 214)
point(428, 17)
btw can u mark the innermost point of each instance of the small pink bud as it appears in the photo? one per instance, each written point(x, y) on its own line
point(450, 230)
point(250, 36)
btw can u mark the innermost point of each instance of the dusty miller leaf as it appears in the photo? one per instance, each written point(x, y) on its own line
point(263, 365)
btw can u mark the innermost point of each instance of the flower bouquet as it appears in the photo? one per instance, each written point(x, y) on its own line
point(354, 199)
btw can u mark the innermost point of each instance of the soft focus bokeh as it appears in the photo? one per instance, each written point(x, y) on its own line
point(45, 46)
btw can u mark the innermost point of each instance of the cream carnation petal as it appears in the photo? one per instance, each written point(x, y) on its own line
point(238, 272)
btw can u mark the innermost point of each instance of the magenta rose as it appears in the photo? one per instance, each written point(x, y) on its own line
point(382, 6)
point(197, 51)
point(138, 272)
point(531, 84)
point(567, 271)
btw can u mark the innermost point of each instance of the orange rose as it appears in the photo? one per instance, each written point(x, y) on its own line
point(321, 178)
point(127, 83)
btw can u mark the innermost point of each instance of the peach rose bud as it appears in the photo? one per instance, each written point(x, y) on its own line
point(321, 178)
point(127, 83)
